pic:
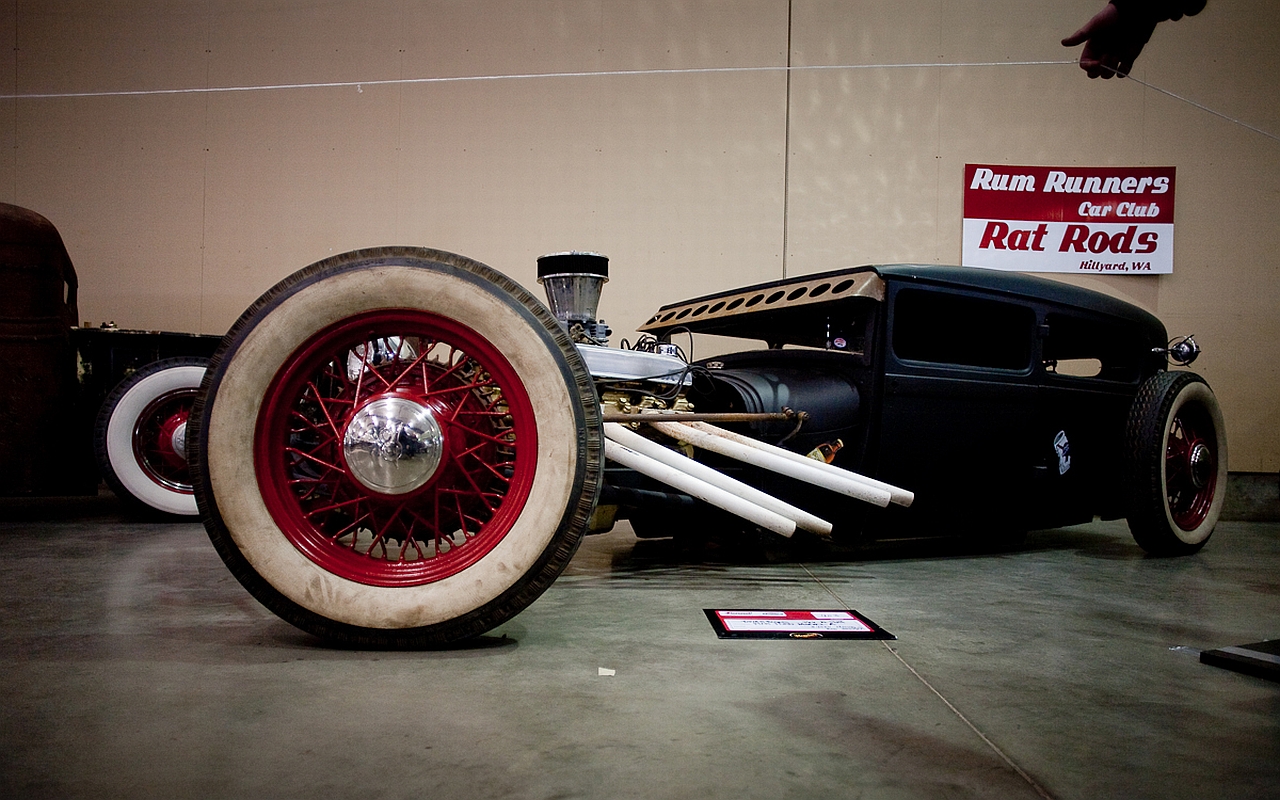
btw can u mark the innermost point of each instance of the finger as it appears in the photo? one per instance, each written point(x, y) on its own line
point(1079, 37)
point(1108, 65)
point(1091, 60)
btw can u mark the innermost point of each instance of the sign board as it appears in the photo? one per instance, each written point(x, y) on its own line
point(793, 624)
point(1261, 659)
point(1089, 220)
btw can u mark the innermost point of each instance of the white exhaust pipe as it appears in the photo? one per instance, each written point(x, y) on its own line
point(647, 447)
point(769, 520)
point(809, 473)
point(897, 494)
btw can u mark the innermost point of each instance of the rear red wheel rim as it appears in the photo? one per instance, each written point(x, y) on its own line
point(433, 531)
point(1191, 466)
point(159, 436)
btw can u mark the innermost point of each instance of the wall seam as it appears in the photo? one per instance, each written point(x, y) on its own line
point(204, 173)
point(401, 227)
point(13, 148)
point(786, 150)
point(937, 152)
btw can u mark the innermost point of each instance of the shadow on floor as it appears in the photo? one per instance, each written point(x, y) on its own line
point(759, 548)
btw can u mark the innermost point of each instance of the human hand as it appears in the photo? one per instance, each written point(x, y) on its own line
point(1112, 41)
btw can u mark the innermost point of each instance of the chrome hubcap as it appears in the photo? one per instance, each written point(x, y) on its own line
point(393, 445)
point(1201, 465)
point(179, 441)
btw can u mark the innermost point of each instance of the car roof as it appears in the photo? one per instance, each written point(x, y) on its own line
point(1017, 284)
point(733, 313)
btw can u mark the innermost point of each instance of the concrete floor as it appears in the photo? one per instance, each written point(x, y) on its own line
point(134, 666)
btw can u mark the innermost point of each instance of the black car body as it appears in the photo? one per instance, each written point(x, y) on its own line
point(999, 398)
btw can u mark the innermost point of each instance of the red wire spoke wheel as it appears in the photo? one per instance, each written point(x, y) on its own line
point(1176, 464)
point(396, 447)
point(140, 436)
point(159, 440)
point(1191, 469)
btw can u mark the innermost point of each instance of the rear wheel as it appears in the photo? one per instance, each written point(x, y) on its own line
point(1176, 464)
point(140, 436)
point(397, 447)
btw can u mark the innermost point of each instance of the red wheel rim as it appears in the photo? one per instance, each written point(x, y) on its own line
point(1191, 467)
point(472, 498)
point(159, 440)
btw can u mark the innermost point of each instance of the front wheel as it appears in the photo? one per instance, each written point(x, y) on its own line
point(396, 448)
point(1176, 464)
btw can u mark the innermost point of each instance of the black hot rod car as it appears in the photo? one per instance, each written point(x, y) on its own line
point(402, 447)
point(1006, 402)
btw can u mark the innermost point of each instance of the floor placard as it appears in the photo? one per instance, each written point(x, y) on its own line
point(1260, 659)
point(793, 624)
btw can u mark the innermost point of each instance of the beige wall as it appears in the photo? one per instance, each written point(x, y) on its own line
point(180, 208)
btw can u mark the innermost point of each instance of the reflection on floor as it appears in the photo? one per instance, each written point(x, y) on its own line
point(135, 666)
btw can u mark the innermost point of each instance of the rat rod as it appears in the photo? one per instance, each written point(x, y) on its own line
point(402, 447)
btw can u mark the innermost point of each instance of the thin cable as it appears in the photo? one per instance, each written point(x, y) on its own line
point(359, 85)
point(1040, 790)
point(1202, 107)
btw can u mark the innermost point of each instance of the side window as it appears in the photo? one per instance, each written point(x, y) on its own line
point(1083, 348)
point(966, 331)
